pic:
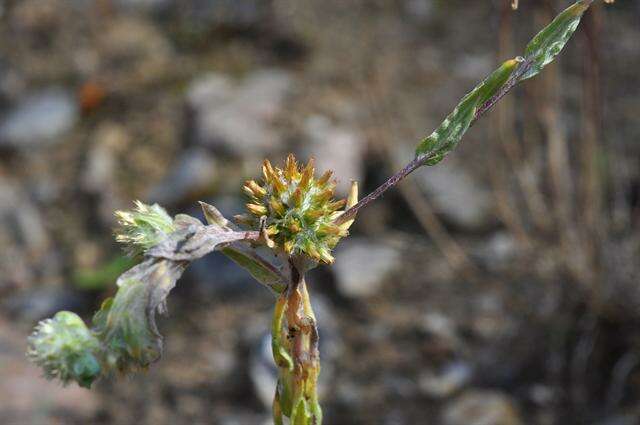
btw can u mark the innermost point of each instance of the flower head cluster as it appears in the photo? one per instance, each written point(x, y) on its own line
point(66, 349)
point(143, 227)
point(297, 209)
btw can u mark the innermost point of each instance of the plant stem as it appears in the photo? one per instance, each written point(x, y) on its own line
point(295, 348)
point(514, 79)
point(421, 160)
point(392, 181)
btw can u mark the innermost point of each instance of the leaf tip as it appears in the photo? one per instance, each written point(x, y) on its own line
point(580, 7)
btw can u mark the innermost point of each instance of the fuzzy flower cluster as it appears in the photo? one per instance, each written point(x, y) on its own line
point(297, 209)
point(143, 227)
point(66, 349)
point(123, 337)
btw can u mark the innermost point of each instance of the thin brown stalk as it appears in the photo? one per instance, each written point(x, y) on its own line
point(592, 219)
point(560, 174)
point(453, 252)
point(591, 190)
point(503, 131)
point(389, 183)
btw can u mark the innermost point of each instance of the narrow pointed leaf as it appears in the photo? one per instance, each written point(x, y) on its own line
point(246, 257)
point(546, 45)
point(258, 267)
point(447, 136)
point(540, 51)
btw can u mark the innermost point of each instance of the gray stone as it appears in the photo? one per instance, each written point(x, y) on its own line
point(193, 173)
point(456, 195)
point(445, 381)
point(147, 5)
point(242, 418)
point(362, 266)
point(335, 148)
point(132, 52)
point(481, 408)
point(40, 303)
point(99, 173)
point(542, 394)
point(216, 275)
point(39, 120)
point(502, 246)
point(25, 242)
point(200, 17)
point(620, 419)
point(20, 220)
point(439, 325)
point(237, 118)
point(419, 9)
point(497, 250)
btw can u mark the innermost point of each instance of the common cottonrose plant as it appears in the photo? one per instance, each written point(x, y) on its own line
point(292, 224)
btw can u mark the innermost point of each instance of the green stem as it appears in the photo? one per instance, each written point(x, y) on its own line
point(295, 351)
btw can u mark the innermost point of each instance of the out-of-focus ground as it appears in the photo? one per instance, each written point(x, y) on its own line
point(501, 287)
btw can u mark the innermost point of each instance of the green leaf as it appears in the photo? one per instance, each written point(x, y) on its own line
point(246, 257)
point(257, 266)
point(540, 51)
point(125, 324)
point(450, 132)
point(546, 45)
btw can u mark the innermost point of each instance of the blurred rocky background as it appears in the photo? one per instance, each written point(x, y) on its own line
point(501, 287)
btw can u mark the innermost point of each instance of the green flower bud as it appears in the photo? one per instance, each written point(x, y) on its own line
point(143, 227)
point(66, 349)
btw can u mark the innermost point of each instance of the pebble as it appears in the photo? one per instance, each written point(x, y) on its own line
point(145, 5)
point(40, 119)
point(132, 52)
point(481, 407)
point(446, 381)
point(335, 148)
point(621, 419)
point(498, 250)
point(193, 173)
point(216, 275)
point(25, 253)
point(219, 14)
point(42, 302)
point(456, 195)
point(237, 117)
point(362, 266)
